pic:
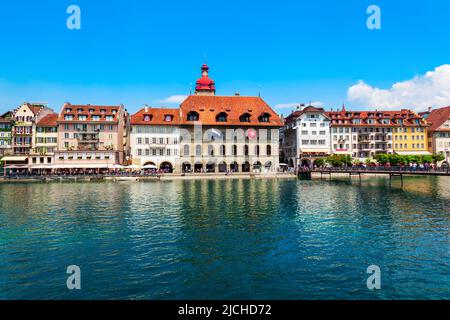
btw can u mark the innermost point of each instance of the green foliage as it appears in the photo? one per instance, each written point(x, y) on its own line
point(396, 159)
point(438, 157)
point(320, 162)
point(339, 160)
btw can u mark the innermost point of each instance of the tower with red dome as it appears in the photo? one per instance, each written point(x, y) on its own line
point(205, 86)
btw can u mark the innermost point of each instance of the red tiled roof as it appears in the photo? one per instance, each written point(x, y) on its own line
point(438, 117)
point(294, 115)
point(35, 108)
point(89, 111)
point(208, 107)
point(156, 117)
point(3, 120)
point(48, 121)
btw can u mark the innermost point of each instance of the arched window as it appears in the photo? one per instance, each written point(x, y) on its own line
point(234, 150)
point(186, 150)
point(257, 150)
point(246, 150)
point(198, 150)
point(211, 150)
point(265, 117)
point(269, 150)
point(192, 116)
point(222, 117)
point(222, 150)
point(245, 117)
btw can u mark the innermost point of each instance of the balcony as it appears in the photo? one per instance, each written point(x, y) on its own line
point(88, 138)
point(157, 145)
point(21, 145)
point(21, 133)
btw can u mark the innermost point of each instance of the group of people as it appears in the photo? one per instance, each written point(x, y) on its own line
point(24, 173)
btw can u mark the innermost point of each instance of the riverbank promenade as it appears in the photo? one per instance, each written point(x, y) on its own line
point(141, 177)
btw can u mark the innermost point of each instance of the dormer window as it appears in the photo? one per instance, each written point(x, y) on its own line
point(96, 118)
point(192, 116)
point(102, 110)
point(91, 110)
point(168, 118)
point(109, 118)
point(82, 117)
point(68, 117)
point(113, 111)
point(265, 117)
point(222, 117)
point(79, 110)
point(68, 110)
point(147, 118)
point(245, 117)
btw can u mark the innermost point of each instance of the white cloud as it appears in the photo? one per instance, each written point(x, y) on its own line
point(429, 90)
point(173, 99)
point(293, 105)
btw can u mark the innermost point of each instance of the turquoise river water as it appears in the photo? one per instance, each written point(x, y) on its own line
point(226, 239)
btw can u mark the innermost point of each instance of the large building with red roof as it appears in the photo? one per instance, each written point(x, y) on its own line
point(439, 132)
point(305, 136)
point(25, 119)
point(364, 134)
point(154, 139)
point(216, 133)
point(91, 136)
point(359, 134)
point(45, 143)
point(227, 133)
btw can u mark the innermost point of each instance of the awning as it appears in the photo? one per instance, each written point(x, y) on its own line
point(80, 166)
point(413, 153)
point(149, 166)
point(314, 151)
point(11, 158)
point(41, 167)
point(133, 166)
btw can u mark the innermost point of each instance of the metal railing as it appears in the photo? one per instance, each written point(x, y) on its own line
point(381, 169)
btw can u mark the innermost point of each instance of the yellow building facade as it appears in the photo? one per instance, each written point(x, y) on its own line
point(411, 139)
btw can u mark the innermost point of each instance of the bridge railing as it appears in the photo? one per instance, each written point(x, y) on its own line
point(406, 169)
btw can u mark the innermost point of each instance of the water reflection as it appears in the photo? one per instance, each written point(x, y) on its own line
point(280, 239)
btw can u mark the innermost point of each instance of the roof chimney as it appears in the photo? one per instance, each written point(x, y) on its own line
point(430, 108)
point(237, 94)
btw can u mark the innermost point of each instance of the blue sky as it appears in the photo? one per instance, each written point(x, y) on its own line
point(143, 52)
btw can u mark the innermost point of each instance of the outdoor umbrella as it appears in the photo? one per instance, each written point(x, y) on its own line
point(150, 166)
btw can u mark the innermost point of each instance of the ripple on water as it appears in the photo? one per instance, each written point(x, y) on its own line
point(232, 239)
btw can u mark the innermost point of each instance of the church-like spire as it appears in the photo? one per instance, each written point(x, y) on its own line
point(205, 85)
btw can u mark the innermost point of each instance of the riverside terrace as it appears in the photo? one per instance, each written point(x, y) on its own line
point(133, 175)
point(142, 174)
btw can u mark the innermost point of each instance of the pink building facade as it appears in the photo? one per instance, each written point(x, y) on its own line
point(90, 137)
